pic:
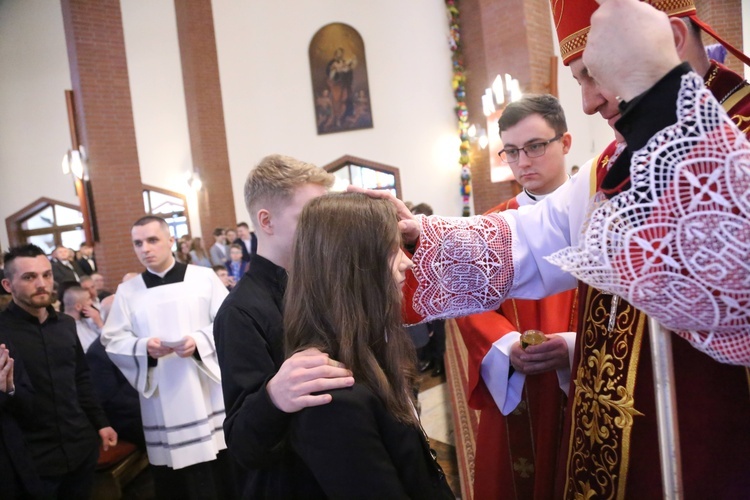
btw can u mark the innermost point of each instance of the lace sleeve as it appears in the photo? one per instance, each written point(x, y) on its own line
point(677, 243)
point(462, 265)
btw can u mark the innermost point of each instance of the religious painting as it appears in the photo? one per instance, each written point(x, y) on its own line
point(338, 70)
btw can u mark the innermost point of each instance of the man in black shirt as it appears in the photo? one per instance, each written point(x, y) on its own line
point(17, 470)
point(247, 240)
point(118, 398)
point(63, 268)
point(87, 262)
point(261, 390)
point(62, 432)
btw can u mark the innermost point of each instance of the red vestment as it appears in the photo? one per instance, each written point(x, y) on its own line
point(610, 443)
point(732, 91)
point(516, 454)
point(610, 437)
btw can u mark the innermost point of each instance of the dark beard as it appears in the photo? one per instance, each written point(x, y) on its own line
point(38, 302)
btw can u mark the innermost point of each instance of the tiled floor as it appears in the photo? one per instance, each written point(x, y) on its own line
point(436, 421)
point(435, 414)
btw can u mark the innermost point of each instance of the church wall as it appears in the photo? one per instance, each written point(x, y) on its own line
point(34, 133)
point(158, 95)
point(267, 96)
point(268, 99)
point(268, 103)
point(726, 18)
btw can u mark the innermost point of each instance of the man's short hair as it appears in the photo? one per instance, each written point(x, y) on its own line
point(545, 105)
point(61, 289)
point(219, 267)
point(275, 179)
point(58, 248)
point(422, 208)
point(85, 277)
point(71, 296)
point(218, 231)
point(148, 219)
point(28, 250)
point(236, 245)
point(693, 28)
point(243, 224)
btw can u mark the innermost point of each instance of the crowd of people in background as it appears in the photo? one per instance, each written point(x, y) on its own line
point(102, 327)
point(71, 266)
point(76, 289)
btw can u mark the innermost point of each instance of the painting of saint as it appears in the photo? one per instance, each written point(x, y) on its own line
point(339, 79)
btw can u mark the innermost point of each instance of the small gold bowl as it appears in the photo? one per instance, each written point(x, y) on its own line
point(532, 337)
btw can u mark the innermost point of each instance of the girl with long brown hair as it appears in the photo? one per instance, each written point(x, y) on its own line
point(182, 254)
point(198, 254)
point(344, 297)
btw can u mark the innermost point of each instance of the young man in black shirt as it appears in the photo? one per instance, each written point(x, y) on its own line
point(62, 432)
point(261, 389)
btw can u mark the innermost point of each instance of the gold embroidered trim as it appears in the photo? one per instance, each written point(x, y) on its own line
point(674, 7)
point(640, 322)
point(593, 175)
point(573, 311)
point(711, 75)
point(735, 98)
point(515, 313)
point(574, 43)
point(730, 100)
point(603, 407)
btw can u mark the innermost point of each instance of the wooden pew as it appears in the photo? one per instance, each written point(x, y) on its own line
point(116, 468)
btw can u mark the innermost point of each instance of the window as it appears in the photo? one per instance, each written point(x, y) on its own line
point(47, 224)
point(169, 205)
point(365, 174)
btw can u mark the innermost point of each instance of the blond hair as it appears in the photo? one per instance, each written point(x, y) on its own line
point(275, 179)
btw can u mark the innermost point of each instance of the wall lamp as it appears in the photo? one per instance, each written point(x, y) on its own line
point(74, 161)
point(195, 182)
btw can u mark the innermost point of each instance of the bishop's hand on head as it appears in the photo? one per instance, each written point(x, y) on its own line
point(630, 47)
point(407, 224)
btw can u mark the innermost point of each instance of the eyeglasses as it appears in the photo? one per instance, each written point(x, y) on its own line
point(534, 150)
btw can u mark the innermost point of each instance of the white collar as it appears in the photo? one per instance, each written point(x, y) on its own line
point(540, 197)
point(162, 274)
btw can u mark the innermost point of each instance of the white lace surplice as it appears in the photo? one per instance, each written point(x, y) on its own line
point(469, 265)
point(675, 245)
point(470, 268)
